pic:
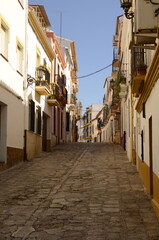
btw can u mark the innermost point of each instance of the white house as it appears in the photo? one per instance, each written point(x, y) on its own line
point(138, 47)
point(12, 77)
point(69, 52)
point(40, 56)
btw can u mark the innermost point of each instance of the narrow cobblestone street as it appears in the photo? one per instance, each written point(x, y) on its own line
point(77, 192)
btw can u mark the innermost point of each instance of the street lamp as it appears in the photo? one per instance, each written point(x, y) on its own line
point(40, 71)
point(126, 5)
point(30, 80)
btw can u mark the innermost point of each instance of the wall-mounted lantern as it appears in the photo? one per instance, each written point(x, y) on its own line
point(40, 72)
point(126, 5)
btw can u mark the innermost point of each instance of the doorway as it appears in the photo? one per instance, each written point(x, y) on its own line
point(44, 133)
point(3, 133)
point(151, 156)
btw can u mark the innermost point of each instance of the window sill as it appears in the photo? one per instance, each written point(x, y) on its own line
point(4, 57)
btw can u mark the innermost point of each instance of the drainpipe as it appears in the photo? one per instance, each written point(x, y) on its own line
point(132, 98)
point(25, 79)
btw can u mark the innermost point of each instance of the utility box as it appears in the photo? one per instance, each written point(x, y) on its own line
point(145, 19)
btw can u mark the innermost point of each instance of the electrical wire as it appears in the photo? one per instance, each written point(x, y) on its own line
point(94, 72)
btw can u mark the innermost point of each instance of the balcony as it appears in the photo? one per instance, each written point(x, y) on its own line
point(115, 63)
point(63, 99)
point(72, 102)
point(139, 71)
point(75, 90)
point(62, 91)
point(115, 108)
point(115, 40)
point(123, 90)
point(73, 76)
point(138, 83)
point(53, 99)
point(42, 87)
point(115, 57)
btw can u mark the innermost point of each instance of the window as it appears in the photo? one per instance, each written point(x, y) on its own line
point(20, 57)
point(4, 38)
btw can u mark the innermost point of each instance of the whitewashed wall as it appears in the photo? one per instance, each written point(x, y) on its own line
point(33, 44)
point(11, 82)
point(151, 109)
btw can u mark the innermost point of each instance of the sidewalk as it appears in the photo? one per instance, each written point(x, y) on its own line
point(77, 192)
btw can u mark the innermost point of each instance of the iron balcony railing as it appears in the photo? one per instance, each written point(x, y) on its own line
point(42, 83)
point(139, 61)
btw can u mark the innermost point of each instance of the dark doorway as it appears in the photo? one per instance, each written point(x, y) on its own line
point(151, 156)
point(125, 140)
point(44, 133)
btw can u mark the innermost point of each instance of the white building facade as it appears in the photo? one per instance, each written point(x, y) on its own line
point(12, 78)
point(140, 45)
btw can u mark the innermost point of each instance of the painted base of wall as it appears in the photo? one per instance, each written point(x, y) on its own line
point(33, 145)
point(117, 137)
point(155, 207)
point(53, 140)
point(144, 172)
point(133, 157)
point(14, 156)
point(48, 146)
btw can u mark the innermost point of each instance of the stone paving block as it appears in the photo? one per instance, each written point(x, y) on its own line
point(23, 232)
point(77, 192)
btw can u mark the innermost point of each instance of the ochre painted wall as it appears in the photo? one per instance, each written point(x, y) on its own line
point(144, 172)
point(33, 145)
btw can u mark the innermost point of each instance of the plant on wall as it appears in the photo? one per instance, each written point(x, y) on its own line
point(119, 79)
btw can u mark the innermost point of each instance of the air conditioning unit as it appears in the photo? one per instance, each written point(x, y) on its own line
point(145, 19)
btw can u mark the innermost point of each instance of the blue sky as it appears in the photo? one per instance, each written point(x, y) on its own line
point(91, 24)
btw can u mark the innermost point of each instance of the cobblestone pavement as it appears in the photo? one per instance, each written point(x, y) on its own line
point(77, 192)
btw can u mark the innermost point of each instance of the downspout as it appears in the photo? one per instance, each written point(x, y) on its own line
point(133, 160)
point(25, 79)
